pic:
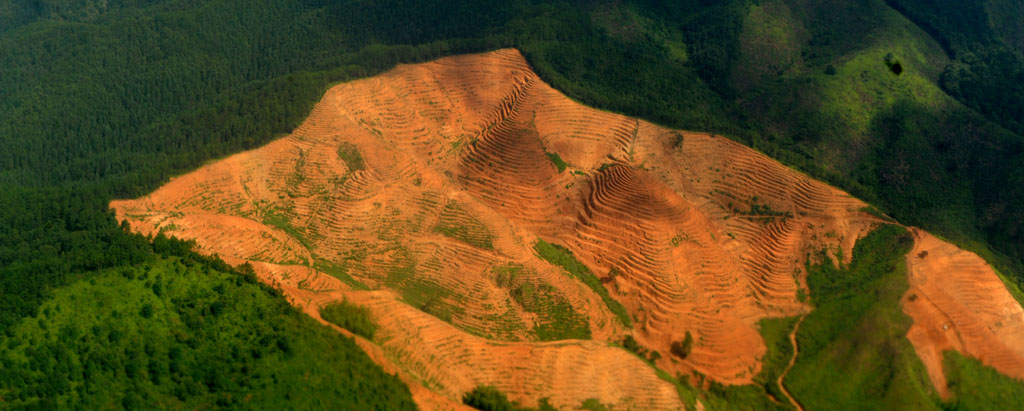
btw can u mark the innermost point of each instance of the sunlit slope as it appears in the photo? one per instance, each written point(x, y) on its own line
point(958, 302)
point(430, 185)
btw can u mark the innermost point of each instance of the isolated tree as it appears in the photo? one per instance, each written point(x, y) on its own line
point(682, 349)
point(487, 398)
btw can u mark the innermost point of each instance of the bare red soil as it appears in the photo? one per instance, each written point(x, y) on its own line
point(959, 303)
point(690, 232)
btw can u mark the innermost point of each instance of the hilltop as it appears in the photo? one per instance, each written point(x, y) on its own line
point(479, 214)
point(912, 107)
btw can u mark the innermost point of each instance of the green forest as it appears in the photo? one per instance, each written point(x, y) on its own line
point(184, 331)
point(109, 99)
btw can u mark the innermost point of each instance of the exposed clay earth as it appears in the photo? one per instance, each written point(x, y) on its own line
point(420, 194)
point(959, 303)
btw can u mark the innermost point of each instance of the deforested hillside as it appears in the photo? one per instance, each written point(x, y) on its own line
point(556, 216)
point(500, 234)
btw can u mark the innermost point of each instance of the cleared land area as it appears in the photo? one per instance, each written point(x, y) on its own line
point(958, 302)
point(422, 194)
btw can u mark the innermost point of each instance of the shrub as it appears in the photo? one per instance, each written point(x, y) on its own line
point(488, 398)
point(677, 140)
point(630, 344)
point(593, 404)
point(350, 317)
point(682, 349)
point(557, 160)
point(561, 256)
point(894, 64)
point(350, 154)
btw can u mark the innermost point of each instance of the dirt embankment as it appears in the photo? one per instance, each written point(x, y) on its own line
point(430, 184)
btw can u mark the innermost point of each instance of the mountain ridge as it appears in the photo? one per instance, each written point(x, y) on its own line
point(473, 131)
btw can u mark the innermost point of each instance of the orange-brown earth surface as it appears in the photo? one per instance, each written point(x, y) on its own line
point(434, 229)
point(958, 302)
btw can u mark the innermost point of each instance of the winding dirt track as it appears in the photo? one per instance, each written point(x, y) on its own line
point(792, 360)
point(689, 231)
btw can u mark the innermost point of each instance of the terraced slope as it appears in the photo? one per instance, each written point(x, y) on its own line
point(959, 303)
point(421, 194)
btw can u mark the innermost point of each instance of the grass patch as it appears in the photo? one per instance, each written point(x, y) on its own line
point(432, 299)
point(458, 224)
point(738, 397)
point(280, 218)
point(338, 271)
point(853, 346)
point(775, 332)
point(349, 153)
point(1012, 288)
point(687, 393)
point(402, 265)
point(718, 396)
point(423, 294)
point(875, 212)
point(556, 318)
point(557, 161)
point(350, 317)
point(298, 175)
point(977, 387)
point(562, 257)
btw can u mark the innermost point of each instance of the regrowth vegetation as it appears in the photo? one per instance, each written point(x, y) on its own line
point(857, 332)
point(979, 387)
point(631, 345)
point(456, 223)
point(349, 153)
point(556, 318)
point(350, 317)
point(775, 332)
point(557, 161)
point(560, 256)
